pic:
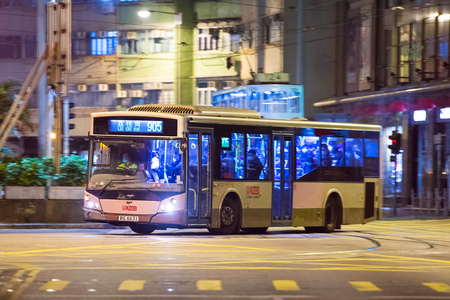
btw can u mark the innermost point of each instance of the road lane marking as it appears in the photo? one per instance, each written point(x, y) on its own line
point(132, 285)
point(209, 285)
point(365, 286)
point(23, 285)
point(38, 251)
point(285, 285)
point(438, 287)
point(54, 285)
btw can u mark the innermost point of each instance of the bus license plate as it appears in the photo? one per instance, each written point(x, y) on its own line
point(129, 218)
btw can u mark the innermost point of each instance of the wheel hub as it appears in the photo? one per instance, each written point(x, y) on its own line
point(227, 215)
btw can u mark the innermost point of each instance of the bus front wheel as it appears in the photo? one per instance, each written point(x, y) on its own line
point(229, 218)
point(142, 228)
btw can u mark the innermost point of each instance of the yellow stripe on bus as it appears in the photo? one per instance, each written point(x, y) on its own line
point(286, 285)
point(365, 286)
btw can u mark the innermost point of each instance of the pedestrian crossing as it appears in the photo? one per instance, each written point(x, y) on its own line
point(216, 285)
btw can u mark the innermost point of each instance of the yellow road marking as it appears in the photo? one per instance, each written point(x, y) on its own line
point(438, 287)
point(132, 285)
point(365, 286)
point(412, 258)
point(209, 285)
point(29, 279)
point(286, 285)
point(76, 248)
point(55, 284)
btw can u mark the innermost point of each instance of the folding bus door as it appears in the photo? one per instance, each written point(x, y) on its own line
point(282, 180)
point(199, 177)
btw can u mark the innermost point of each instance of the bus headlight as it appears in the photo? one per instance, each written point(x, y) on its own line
point(167, 208)
point(91, 202)
point(168, 205)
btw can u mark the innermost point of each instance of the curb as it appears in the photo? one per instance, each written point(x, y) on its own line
point(59, 226)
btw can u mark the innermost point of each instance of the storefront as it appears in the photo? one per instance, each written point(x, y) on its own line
point(422, 116)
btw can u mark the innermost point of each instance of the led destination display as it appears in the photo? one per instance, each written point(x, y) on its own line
point(135, 126)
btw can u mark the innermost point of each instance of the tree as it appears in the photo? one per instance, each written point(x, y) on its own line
point(8, 92)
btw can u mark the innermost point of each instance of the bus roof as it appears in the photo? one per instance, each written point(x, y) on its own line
point(198, 110)
point(234, 116)
point(285, 123)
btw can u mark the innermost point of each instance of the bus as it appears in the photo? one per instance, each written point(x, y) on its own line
point(272, 101)
point(227, 169)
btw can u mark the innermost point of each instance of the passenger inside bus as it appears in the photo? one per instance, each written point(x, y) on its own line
point(155, 164)
point(254, 165)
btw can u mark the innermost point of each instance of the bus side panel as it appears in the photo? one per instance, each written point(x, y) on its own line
point(256, 201)
point(310, 198)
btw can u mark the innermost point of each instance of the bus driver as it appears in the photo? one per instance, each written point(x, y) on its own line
point(127, 163)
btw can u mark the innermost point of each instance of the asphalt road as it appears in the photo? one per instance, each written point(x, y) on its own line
point(379, 260)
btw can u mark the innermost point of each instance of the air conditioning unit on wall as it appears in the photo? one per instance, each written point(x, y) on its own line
point(212, 84)
point(153, 86)
point(131, 35)
point(82, 88)
point(102, 34)
point(81, 35)
point(137, 94)
point(102, 87)
point(121, 94)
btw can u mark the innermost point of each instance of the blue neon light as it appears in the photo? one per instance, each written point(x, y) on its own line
point(135, 126)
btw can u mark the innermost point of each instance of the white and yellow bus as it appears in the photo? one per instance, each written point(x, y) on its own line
point(227, 169)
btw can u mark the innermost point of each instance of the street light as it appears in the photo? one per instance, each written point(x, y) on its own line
point(146, 13)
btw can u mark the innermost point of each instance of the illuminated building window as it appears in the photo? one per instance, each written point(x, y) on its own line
point(104, 43)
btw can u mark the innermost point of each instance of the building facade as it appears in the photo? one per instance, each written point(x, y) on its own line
point(396, 75)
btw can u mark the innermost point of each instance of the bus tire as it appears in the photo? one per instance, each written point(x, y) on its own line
point(229, 218)
point(142, 228)
point(331, 216)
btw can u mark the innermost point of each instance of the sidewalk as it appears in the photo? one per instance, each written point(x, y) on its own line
point(58, 226)
point(406, 213)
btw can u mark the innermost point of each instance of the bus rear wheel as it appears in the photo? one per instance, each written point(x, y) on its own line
point(331, 222)
point(229, 218)
point(142, 228)
point(331, 217)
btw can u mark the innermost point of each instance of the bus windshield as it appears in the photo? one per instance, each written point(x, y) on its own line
point(136, 165)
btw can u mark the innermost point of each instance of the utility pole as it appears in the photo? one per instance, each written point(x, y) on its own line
point(42, 88)
point(56, 61)
point(59, 35)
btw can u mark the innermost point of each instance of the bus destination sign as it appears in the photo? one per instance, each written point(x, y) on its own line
point(135, 126)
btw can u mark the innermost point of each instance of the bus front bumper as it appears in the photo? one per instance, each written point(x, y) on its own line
point(159, 219)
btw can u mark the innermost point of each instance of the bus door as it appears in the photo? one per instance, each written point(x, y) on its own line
point(282, 180)
point(199, 177)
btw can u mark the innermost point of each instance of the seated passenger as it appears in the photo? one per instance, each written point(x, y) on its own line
point(254, 165)
point(127, 163)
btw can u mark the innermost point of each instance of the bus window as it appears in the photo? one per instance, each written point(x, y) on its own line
point(332, 152)
point(353, 152)
point(307, 155)
point(232, 160)
point(371, 155)
point(257, 146)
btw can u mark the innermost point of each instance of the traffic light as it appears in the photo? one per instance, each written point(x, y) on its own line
point(396, 142)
